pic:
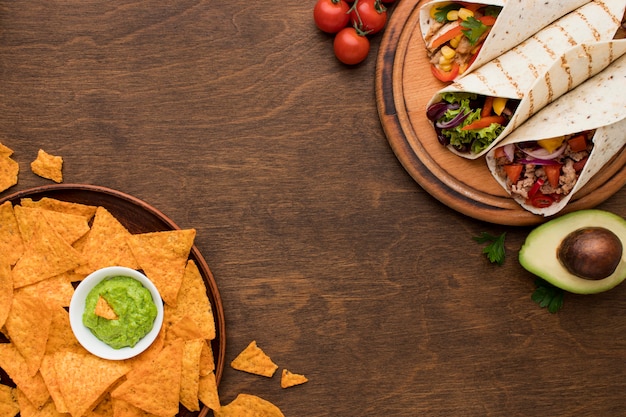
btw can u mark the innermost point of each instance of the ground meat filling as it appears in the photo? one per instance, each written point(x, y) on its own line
point(571, 162)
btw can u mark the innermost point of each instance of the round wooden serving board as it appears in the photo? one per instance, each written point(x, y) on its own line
point(404, 85)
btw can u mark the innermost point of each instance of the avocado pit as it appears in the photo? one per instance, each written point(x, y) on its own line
point(591, 252)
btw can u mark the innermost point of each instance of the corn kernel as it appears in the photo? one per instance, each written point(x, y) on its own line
point(444, 60)
point(445, 67)
point(448, 52)
point(454, 42)
point(452, 15)
point(464, 13)
point(475, 50)
point(462, 68)
point(436, 9)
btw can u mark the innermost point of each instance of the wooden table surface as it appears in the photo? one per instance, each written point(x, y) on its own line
point(236, 119)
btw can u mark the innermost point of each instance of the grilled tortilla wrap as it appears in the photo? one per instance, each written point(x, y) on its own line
point(596, 108)
point(526, 88)
point(515, 21)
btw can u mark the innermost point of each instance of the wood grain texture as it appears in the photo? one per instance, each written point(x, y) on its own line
point(404, 87)
point(236, 119)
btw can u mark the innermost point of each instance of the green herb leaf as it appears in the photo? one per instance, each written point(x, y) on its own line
point(474, 29)
point(492, 11)
point(442, 12)
point(548, 296)
point(495, 250)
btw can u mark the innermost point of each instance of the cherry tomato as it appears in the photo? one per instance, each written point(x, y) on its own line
point(351, 46)
point(369, 15)
point(331, 15)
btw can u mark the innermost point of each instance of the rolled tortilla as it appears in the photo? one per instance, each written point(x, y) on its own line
point(534, 87)
point(597, 105)
point(517, 21)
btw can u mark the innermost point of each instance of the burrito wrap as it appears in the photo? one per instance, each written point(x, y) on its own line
point(517, 21)
point(569, 70)
point(599, 103)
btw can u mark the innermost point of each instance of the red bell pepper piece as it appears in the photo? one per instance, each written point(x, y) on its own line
point(484, 122)
point(445, 76)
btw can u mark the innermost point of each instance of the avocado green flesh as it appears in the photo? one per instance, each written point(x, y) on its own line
point(539, 252)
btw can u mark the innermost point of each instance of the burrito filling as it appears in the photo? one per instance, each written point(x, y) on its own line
point(470, 122)
point(456, 35)
point(544, 171)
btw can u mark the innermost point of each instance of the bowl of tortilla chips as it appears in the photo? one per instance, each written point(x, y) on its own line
point(116, 313)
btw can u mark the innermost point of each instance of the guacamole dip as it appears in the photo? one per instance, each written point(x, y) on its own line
point(133, 305)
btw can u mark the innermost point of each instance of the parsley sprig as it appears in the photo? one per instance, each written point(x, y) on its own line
point(473, 29)
point(442, 12)
point(495, 249)
point(548, 296)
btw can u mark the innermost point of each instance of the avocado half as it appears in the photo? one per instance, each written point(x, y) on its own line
point(539, 253)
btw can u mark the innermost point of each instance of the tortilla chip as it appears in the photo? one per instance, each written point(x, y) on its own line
point(49, 376)
point(192, 303)
point(103, 409)
point(149, 355)
point(163, 257)
point(70, 227)
point(8, 401)
point(6, 292)
point(48, 166)
point(11, 245)
point(207, 360)
point(289, 379)
point(8, 170)
point(104, 309)
point(15, 366)
point(155, 385)
point(253, 360)
point(28, 326)
point(246, 405)
point(56, 291)
point(53, 204)
point(61, 337)
point(47, 254)
point(190, 378)
point(123, 408)
point(84, 379)
point(107, 244)
point(207, 392)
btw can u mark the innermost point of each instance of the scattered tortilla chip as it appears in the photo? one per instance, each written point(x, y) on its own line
point(246, 405)
point(289, 379)
point(191, 374)
point(53, 204)
point(253, 360)
point(28, 326)
point(47, 254)
point(8, 168)
point(8, 401)
point(84, 379)
point(163, 257)
point(155, 386)
point(207, 392)
point(107, 244)
point(48, 166)
point(104, 309)
point(11, 245)
point(192, 303)
point(6, 292)
point(15, 366)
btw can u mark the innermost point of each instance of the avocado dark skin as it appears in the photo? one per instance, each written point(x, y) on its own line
point(591, 252)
